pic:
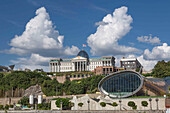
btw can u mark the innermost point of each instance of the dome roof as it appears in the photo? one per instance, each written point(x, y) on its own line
point(83, 53)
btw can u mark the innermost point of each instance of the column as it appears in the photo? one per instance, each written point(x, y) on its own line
point(80, 65)
point(55, 67)
point(83, 66)
point(77, 66)
point(50, 67)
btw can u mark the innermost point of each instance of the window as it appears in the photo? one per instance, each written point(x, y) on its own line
point(126, 83)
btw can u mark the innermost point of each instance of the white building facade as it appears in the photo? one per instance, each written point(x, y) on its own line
point(80, 63)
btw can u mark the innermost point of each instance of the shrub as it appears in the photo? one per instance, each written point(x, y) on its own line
point(144, 103)
point(1, 107)
point(103, 104)
point(6, 106)
point(29, 106)
point(80, 104)
point(39, 105)
point(132, 104)
point(11, 106)
point(134, 107)
point(114, 104)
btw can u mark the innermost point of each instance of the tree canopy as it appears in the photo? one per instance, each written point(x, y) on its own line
point(161, 69)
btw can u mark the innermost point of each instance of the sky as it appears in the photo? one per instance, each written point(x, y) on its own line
point(34, 31)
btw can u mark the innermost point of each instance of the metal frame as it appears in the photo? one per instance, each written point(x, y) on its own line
point(113, 74)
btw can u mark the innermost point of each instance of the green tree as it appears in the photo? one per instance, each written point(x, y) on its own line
point(161, 69)
point(24, 101)
point(65, 103)
point(1, 107)
point(6, 107)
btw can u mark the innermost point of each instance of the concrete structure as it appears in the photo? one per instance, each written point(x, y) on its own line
point(128, 83)
point(94, 103)
point(80, 63)
point(130, 63)
point(40, 99)
point(31, 99)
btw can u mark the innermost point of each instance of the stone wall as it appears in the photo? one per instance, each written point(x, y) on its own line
point(4, 101)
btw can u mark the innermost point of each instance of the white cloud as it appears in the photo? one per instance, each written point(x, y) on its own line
point(149, 39)
point(40, 41)
point(40, 37)
point(34, 62)
point(148, 65)
point(105, 40)
point(158, 53)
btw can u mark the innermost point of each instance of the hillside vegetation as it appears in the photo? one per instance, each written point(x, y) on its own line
point(14, 84)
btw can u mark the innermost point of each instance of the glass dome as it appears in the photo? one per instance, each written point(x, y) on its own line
point(83, 53)
point(121, 84)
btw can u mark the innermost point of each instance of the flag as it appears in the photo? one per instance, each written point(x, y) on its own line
point(84, 45)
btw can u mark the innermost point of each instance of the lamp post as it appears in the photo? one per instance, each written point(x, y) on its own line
point(88, 101)
point(120, 104)
point(61, 104)
point(157, 102)
point(150, 103)
point(120, 99)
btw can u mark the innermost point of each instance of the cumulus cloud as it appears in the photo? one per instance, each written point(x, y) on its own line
point(35, 61)
point(111, 29)
point(158, 53)
point(149, 39)
point(148, 65)
point(40, 37)
point(40, 41)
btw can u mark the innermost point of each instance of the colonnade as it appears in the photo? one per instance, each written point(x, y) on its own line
point(80, 66)
point(54, 67)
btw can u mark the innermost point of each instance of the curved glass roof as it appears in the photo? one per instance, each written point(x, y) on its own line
point(83, 53)
point(121, 84)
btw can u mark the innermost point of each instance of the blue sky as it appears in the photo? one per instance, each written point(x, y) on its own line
point(144, 35)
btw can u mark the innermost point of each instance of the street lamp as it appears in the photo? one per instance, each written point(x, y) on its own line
point(88, 101)
point(61, 104)
point(120, 104)
point(150, 103)
point(157, 102)
point(120, 98)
